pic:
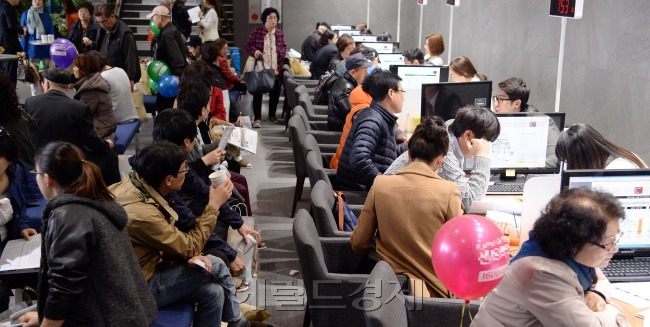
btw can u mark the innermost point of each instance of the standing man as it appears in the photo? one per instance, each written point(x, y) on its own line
point(169, 48)
point(9, 32)
point(118, 45)
point(310, 44)
point(181, 19)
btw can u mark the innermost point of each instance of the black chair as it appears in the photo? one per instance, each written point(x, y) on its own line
point(397, 309)
point(304, 80)
point(333, 275)
point(314, 125)
point(316, 172)
point(322, 202)
point(305, 97)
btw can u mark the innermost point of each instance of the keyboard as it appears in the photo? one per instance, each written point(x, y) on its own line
point(627, 270)
point(506, 189)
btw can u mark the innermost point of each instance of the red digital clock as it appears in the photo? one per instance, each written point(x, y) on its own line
point(566, 8)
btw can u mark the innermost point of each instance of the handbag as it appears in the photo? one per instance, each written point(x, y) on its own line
point(347, 220)
point(261, 81)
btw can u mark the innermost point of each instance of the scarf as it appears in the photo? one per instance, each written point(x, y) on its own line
point(531, 248)
point(34, 23)
point(270, 53)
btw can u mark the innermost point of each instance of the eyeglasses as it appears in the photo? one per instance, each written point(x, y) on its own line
point(183, 171)
point(499, 100)
point(400, 91)
point(611, 246)
point(35, 172)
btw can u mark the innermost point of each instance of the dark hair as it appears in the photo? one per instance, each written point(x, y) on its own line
point(220, 43)
point(429, 141)
point(103, 61)
point(157, 160)
point(193, 96)
point(481, 121)
point(199, 71)
point(8, 147)
point(9, 104)
point(516, 89)
point(104, 10)
point(582, 147)
point(413, 55)
point(574, 218)
point(88, 5)
point(209, 52)
point(463, 66)
point(319, 24)
point(267, 12)
point(384, 37)
point(174, 125)
point(65, 163)
point(326, 37)
point(378, 83)
point(368, 52)
point(87, 64)
point(213, 3)
point(69, 6)
point(343, 42)
point(365, 31)
point(435, 44)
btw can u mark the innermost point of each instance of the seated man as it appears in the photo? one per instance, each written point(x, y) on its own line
point(470, 135)
point(339, 105)
point(512, 96)
point(413, 57)
point(370, 147)
point(171, 260)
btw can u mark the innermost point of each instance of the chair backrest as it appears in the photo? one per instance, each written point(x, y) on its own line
point(304, 100)
point(298, 133)
point(383, 289)
point(300, 111)
point(322, 202)
point(315, 170)
point(290, 88)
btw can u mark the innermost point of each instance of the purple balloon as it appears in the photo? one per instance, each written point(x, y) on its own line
point(62, 52)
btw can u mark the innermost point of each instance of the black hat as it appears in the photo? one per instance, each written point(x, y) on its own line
point(194, 41)
point(357, 60)
point(57, 75)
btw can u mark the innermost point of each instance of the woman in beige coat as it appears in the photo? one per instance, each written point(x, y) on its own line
point(408, 209)
point(555, 280)
point(94, 90)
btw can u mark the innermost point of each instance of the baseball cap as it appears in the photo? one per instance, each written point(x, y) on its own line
point(194, 41)
point(357, 60)
point(159, 10)
point(57, 75)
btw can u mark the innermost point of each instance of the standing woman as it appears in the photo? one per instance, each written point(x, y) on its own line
point(209, 22)
point(84, 31)
point(38, 23)
point(434, 47)
point(71, 15)
point(461, 69)
point(89, 274)
point(267, 44)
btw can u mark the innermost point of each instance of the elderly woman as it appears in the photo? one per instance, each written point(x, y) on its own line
point(266, 43)
point(555, 280)
point(38, 22)
point(94, 90)
point(84, 32)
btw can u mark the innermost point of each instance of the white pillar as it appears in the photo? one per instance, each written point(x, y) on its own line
point(560, 64)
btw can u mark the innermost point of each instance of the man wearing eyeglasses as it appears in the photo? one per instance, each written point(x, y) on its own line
point(118, 45)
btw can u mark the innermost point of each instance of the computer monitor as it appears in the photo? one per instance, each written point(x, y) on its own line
point(413, 76)
point(382, 47)
point(526, 144)
point(632, 189)
point(364, 38)
point(348, 32)
point(341, 27)
point(444, 99)
point(386, 60)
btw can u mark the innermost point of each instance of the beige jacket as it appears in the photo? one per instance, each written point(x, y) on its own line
point(538, 291)
point(151, 227)
point(407, 210)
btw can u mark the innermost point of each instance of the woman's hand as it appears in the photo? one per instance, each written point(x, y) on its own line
point(258, 54)
point(201, 14)
point(27, 232)
point(594, 302)
point(30, 319)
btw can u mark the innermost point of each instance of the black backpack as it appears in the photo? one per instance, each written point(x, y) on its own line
point(325, 83)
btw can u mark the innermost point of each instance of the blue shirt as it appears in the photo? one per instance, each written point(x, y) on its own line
point(37, 51)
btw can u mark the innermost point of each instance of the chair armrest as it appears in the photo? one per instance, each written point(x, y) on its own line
point(326, 137)
point(320, 109)
point(317, 117)
point(340, 258)
point(355, 198)
point(328, 149)
point(356, 209)
point(319, 125)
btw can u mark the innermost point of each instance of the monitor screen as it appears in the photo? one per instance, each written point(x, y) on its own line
point(527, 142)
point(348, 32)
point(381, 47)
point(364, 38)
point(444, 99)
point(632, 189)
point(341, 27)
point(386, 60)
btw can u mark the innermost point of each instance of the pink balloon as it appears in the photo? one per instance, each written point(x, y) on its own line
point(470, 256)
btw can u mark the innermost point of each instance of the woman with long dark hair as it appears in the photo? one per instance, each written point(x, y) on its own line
point(89, 274)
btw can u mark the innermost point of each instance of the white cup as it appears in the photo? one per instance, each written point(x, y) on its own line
point(50, 38)
point(44, 38)
point(218, 177)
point(243, 247)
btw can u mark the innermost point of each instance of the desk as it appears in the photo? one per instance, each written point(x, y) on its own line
point(4, 57)
point(630, 313)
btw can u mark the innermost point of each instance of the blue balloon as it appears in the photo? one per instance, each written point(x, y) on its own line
point(168, 86)
point(62, 52)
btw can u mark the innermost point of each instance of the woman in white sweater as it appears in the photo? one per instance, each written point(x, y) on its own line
point(209, 22)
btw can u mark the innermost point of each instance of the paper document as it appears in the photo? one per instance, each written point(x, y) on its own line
point(223, 142)
point(20, 255)
point(244, 139)
point(635, 294)
point(194, 14)
point(503, 204)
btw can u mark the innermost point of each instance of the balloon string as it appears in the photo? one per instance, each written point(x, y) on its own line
point(469, 311)
point(462, 314)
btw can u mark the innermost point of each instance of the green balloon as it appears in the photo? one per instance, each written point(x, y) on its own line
point(158, 69)
point(153, 27)
point(153, 86)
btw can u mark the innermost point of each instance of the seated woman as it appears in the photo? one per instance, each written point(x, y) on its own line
point(90, 274)
point(582, 147)
point(461, 69)
point(120, 93)
point(407, 210)
point(93, 90)
point(555, 280)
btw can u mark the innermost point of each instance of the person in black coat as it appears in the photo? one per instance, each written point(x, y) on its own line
point(370, 147)
point(181, 18)
point(339, 105)
point(9, 32)
point(61, 118)
point(118, 45)
point(84, 33)
point(310, 44)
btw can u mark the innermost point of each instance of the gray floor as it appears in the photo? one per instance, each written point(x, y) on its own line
point(271, 184)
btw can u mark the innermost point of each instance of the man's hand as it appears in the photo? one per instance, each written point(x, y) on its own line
point(110, 144)
point(594, 302)
point(30, 319)
point(27, 232)
point(258, 54)
point(478, 147)
point(214, 157)
point(246, 230)
point(219, 195)
point(193, 260)
point(236, 267)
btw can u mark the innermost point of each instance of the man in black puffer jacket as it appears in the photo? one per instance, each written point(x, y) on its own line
point(370, 147)
point(339, 105)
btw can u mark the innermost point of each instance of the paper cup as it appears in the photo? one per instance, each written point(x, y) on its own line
point(243, 247)
point(44, 38)
point(50, 38)
point(218, 177)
